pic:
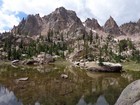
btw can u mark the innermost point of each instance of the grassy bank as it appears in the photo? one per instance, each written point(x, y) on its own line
point(131, 66)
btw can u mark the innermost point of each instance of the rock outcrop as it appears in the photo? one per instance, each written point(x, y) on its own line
point(111, 27)
point(61, 20)
point(92, 24)
point(130, 95)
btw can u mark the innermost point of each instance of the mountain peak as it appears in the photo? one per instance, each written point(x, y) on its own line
point(111, 22)
point(60, 9)
point(111, 26)
point(111, 18)
point(138, 22)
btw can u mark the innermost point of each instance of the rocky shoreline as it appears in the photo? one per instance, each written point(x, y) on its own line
point(92, 66)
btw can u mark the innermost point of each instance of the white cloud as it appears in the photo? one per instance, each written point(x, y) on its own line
point(121, 10)
point(7, 21)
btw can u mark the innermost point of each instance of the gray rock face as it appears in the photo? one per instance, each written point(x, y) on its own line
point(61, 20)
point(92, 23)
point(130, 95)
point(111, 27)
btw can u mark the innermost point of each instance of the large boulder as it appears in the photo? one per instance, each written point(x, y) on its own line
point(137, 103)
point(105, 67)
point(130, 95)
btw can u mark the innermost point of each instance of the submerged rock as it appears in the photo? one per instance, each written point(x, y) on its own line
point(23, 79)
point(130, 95)
point(15, 61)
point(64, 76)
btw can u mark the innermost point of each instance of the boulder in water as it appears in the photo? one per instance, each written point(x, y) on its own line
point(130, 95)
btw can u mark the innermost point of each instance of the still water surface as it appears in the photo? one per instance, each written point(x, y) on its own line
point(46, 87)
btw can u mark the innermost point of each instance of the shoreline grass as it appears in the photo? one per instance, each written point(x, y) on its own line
point(131, 66)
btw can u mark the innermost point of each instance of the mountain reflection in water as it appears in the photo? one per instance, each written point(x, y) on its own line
point(46, 87)
point(8, 98)
point(100, 101)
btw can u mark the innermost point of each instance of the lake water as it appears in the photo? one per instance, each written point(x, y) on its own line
point(46, 87)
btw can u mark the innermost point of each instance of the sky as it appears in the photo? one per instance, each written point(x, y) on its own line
point(12, 11)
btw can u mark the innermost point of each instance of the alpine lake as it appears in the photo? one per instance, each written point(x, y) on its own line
point(45, 86)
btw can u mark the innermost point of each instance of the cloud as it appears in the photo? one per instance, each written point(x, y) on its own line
point(7, 21)
point(121, 10)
